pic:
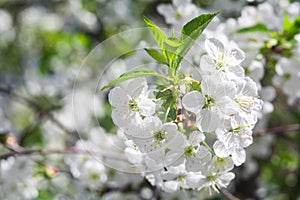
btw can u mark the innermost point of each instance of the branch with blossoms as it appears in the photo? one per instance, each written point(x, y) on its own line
point(187, 133)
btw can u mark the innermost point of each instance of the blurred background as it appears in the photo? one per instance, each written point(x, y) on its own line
point(48, 82)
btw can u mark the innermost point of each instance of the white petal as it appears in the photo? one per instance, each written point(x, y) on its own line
point(152, 124)
point(170, 127)
point(214, 48)
point(224, 179)
point(246, 140)
point(177, 142)
point(136, 87)
point(174, 158)
point(209, 120)
point(239, 156)
point(221, 134)
point(133, 156)
point(170, 186)
point(118, 98)
point(195, 181)
point(238, 71)
point(120, 118)
point(225, 164)
point(193, 101)
point(196, 137)
point(224, 88)
point(239, 56)
point(220, 149)
point(209, 85)
point(146, 107)
point(207, 64)
point(203, 154)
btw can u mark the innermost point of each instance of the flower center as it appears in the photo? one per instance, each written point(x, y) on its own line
point(189, 151)
point(133, 105)
point(95, 177)
point(181, 178)
point(209, 101)
point(160, 135)
point(211, 177)
point(178, 15)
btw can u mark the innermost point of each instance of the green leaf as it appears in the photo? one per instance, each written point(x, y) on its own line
point(156, 55)
point(170, 52)
point(173, 41)
point(132, 74)
point(286, 22)
point(196, 26)
point(290, 29)
point(173, 113)
point(255, 28)
point(159, 36)
point(189, 34)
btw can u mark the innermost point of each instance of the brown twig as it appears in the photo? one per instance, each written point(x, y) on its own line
point(228, 195)
point(278, 129)
point(26, 152)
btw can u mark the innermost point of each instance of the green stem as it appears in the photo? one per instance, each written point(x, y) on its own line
point(207, 146)
point(166, 115)
point(163, 76)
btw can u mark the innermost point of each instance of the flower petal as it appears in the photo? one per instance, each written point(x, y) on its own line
point(220, 149)
point(118, 98)
point(214, 48)
point(193, 101)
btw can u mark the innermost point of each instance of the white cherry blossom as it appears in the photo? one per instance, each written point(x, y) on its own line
point(130, 103)
point(214, 105)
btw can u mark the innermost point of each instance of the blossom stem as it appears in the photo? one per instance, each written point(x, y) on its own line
point(207, 146)
point(163, 76)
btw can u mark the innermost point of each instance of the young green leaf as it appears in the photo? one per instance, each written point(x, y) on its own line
point(255, 28)
point(132, 74)
point(286, 22)
point(196, 26)
point(173, 41)
point(290, 28)
point(157, 33)
point(156, 55)
point(189, 34)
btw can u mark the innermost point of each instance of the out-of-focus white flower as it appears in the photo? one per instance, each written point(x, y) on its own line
point(93, 174)
point(180, 12)
point(288, 78)
point(6, 22)
point(28, 188)
point(264, 13)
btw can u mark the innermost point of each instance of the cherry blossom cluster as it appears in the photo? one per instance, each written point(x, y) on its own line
point(214, 118)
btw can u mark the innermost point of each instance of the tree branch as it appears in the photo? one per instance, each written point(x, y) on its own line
point(278, 129)
point(26, 152)
point(228, 195)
